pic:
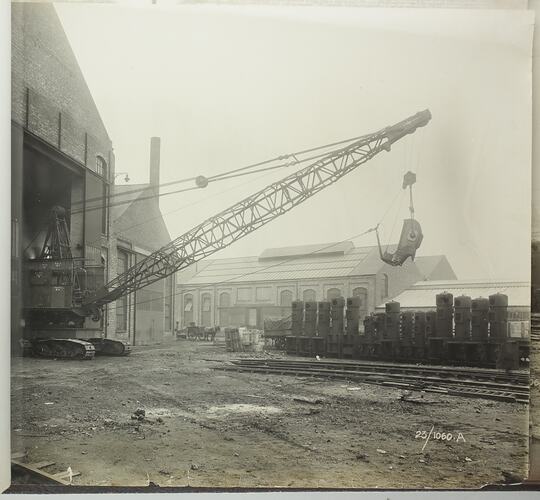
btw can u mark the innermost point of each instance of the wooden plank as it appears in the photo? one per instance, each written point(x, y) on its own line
point(65, 474)
point(41, 465)
point(43, 476)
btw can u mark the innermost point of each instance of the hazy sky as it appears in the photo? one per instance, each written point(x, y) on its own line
point(227, 86)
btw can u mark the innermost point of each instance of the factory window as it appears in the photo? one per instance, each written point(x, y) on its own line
point(188, 309)
point(263, 294)
point(101, 166)
point(244, 294)
point(206, 310)
point(285, 298)
point(333, 293)
point(309, 296)
point(224, 300)
point(385, 285)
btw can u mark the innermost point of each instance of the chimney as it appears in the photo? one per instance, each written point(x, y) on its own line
point(155, 144)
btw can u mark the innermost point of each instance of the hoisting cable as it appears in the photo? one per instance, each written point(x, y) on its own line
point(411, 233)
point(201, 180)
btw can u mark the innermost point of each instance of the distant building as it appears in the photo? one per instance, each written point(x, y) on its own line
point(146, 316)
point(244, 291)
point(421, 295)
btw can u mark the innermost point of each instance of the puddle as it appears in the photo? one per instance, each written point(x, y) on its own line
point(242, 409)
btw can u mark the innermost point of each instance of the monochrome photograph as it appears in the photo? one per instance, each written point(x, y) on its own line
point(271, 246)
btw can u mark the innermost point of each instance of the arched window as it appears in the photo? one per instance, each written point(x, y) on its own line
point(309, 295)
point(206, 310)
point(187, 317)
point(333, 293)
point(285, 298)
point(101, 166)
point(224, 299)
point(385, 285)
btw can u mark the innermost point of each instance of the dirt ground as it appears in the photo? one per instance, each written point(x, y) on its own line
point(224, 429)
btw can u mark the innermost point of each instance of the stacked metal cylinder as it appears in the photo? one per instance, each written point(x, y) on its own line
point(310, 319)
point(498, 317)
point(353, 315)
point(445, 312)
point(462, 317)
point(459, 331)
point(479, 319)
point(323, 319)
point(337, 315)
point(393, 323)
point(297, 318)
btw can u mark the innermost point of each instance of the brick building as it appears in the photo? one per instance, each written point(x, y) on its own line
point(245, 291)
point(62, 155)
point(146, 316)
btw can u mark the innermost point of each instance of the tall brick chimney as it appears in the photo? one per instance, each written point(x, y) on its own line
point(155, 145)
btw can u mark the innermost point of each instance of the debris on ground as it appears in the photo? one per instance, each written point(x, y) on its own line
point(319, 427)
point(317, 401)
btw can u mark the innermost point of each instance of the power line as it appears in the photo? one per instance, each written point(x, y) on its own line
point(188, 205)
point(372, 229)
point(227, 174)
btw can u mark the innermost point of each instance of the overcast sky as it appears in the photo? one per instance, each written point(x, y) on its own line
point(227, 86)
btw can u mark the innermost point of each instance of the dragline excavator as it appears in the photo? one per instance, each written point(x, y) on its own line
point(57, 302)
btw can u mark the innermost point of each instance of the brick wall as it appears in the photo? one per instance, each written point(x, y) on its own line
point(49, 92)
point(51, 100)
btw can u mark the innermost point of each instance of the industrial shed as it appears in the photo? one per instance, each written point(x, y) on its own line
point(244, 291)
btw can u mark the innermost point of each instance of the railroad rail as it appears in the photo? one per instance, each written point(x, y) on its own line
point(467, 382)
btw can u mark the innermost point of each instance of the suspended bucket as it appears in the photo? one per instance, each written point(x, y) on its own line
point(409, 242)
point(411, 232)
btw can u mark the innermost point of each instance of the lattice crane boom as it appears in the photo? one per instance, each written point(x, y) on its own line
point(251, 213)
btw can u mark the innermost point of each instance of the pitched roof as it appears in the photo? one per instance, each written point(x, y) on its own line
point(139, 220)
point(296, 265)
point(434, 267)
point(339, 248)
point(422, 294)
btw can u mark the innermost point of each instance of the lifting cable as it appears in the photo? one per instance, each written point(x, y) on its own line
point(111, 307)
point(202, 181)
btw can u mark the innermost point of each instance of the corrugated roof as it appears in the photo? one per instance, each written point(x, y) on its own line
point(358, 261)
point(422, 294)
point(341, 247)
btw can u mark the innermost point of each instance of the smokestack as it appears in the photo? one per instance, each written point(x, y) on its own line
point(155, 145)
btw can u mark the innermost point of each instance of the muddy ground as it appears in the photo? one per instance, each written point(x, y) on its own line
point(210, 428)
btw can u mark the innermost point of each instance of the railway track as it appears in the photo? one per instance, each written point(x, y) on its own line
point(467, 382)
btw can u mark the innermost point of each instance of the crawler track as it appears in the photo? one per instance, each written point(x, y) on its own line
point(466, 382)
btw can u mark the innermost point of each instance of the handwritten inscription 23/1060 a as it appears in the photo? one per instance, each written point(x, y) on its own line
point(439, 436)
